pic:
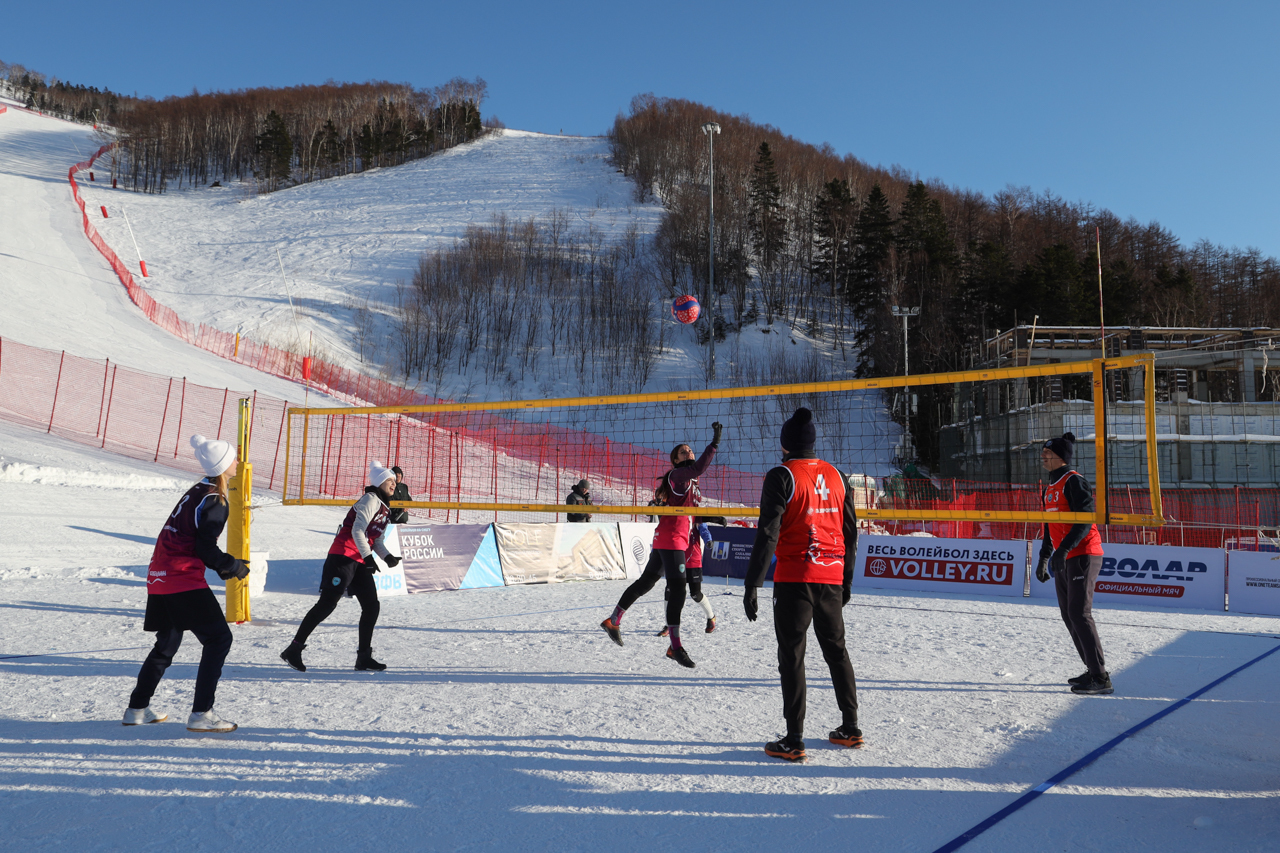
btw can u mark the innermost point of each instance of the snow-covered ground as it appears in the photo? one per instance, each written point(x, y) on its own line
point(508, 721)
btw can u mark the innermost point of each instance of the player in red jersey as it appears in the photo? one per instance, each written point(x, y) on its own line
point(1072, 555)
point(807, 521)
point(179, 598)
point(350, 566)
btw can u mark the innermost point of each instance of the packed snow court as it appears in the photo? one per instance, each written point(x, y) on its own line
point(508, 706)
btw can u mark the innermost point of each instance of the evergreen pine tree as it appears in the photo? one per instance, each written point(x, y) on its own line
point(835, 215)
point(274, 151)
point(768, 227)
point(870, 285)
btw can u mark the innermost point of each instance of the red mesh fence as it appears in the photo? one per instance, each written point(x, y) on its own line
point(133, 413)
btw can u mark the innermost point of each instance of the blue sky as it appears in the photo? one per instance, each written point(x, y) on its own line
point(1166, 111)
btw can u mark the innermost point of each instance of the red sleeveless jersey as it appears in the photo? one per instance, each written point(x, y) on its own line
point(174, 564)
point(811, 540)
point(345, 544)
point(1056, 501)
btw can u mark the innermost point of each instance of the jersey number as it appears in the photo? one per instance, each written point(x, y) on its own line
point(820, 488)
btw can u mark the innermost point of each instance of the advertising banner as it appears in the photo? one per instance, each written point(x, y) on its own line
point(437, 556)
point(551, 553)
point(729, 552)
point(637, 540)
point(391, 581)
point(1159, 575)
point(974, 566)
point(1254, 582)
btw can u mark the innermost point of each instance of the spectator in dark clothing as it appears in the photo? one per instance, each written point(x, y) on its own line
point(807, 521)
point(400, 515)
point(579, 495)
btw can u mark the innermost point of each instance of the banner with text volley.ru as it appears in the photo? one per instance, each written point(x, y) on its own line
point(974, 566)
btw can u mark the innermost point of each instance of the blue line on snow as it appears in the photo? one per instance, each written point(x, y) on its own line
point(963, 839)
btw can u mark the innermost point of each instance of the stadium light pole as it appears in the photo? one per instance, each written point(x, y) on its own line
point(711, 129)
point(905, 313)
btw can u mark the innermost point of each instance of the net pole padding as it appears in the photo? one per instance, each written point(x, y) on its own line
point(240, 496)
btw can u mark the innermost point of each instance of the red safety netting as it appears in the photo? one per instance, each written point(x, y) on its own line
point(136, 414)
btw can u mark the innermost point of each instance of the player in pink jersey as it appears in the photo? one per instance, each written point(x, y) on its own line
point(350, 567)
point(179, 598)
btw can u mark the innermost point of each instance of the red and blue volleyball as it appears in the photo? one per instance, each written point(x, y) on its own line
point(686, 309)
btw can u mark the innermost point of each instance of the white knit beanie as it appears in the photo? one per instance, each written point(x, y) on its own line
point(214, 456)
point(378, 474)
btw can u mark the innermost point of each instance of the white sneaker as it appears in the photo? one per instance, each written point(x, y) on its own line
point(138, 716)
point(207, 721)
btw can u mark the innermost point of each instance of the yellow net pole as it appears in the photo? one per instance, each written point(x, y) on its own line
point(240, 493)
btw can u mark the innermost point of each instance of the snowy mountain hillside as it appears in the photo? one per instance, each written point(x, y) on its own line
point(57, 291)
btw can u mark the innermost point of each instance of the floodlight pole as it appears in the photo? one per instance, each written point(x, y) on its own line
point(711, 129)
point(905, 313)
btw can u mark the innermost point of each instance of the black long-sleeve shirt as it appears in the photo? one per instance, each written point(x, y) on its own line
point(777, 489)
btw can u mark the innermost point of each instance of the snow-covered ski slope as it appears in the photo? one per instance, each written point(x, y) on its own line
point(211, 252)
point(507, 721)
point(57, 292)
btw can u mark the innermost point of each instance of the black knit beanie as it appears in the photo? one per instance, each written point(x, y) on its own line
point(1064, 447)
point(798, 433)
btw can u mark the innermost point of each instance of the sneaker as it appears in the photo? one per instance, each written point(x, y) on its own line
point(665, 632)
point(711, 624)
point(1082, 678)
point(790, 747)
point(365, 662)
point(139, 716)
point(680, 656)
point(207, 722)
point(847, 735)
point(612, 629)
point(293, 656)
point(1095, 686)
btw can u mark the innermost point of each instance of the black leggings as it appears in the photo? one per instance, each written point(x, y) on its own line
point(215, 638)
point(342, 574)
point(667, 562)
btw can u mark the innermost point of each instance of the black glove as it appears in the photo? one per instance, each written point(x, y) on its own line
point(371, 564)
point(1042, 570)
point(237, 570)
point(391, 560)
point(750, 604)
point(716, 429)
point(845, 595)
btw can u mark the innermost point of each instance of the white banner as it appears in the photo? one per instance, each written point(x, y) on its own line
point(637, 541)
point(1254, 582)
point(1158, 575)
point(975, 566)
point(551, 553)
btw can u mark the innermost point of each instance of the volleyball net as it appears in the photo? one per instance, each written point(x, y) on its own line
point(946, 447)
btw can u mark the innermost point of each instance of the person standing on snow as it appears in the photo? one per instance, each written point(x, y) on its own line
point(579, 495)
point(807, 521)
point(1072, 555)
point(678, 487)
point(179, 598)
point(350, 566)
point(400, 515)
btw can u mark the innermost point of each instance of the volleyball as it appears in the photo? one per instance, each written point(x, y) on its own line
point(685, 309)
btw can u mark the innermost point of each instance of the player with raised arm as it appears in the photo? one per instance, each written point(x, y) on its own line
point(678, 487)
